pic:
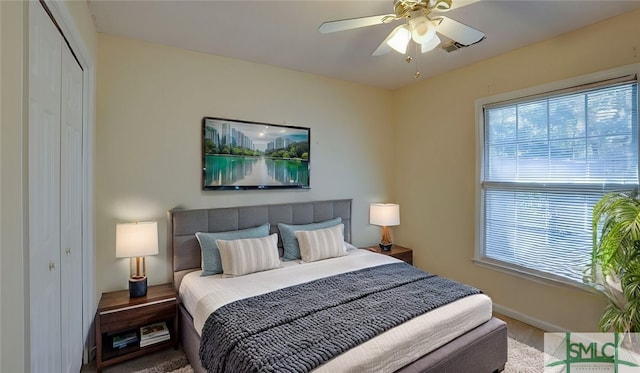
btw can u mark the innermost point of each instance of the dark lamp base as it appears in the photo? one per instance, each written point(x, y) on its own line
point(137, 287)
point(386, 247)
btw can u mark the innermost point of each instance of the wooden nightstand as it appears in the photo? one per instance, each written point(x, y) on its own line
point(119, 316)
point(403, 253)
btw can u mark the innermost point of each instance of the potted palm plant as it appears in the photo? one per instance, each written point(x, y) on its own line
point(615, 261)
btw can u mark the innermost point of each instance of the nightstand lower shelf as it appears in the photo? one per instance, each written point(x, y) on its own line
point(111, 354)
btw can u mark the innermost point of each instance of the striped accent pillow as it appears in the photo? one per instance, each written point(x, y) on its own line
point(211, 263)
point(321, 243)
point(248, 255)
point(288, 235)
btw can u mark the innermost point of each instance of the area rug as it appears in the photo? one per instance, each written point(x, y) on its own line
point(521, 359)
point(178, 364)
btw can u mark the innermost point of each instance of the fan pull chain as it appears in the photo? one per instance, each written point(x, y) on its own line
point(417, 74)
point(409, 59)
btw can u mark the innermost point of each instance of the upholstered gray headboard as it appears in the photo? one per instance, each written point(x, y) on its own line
point(183, 224)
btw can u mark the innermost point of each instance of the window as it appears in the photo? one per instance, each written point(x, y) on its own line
point(546, 159)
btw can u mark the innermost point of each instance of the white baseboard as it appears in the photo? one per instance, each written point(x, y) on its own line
point(545, 326)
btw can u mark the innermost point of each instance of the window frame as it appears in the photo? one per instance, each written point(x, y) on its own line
point(517, 96)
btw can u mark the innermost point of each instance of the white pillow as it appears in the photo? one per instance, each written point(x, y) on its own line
point(321, 243)
point(349, 246)
point(248, 255)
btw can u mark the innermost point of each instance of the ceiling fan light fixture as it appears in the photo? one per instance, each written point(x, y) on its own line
point(422, 30)
point(400, 39)
point(430, 45)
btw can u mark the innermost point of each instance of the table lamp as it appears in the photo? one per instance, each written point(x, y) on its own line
point(135, 241)
point(384, 215)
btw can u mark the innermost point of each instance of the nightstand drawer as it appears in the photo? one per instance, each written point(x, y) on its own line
point(399, 252)
point(406, 256)
point(133, 316)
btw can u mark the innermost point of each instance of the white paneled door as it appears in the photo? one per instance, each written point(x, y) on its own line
point(44, 190)
point(55, 199)
point(71, 213)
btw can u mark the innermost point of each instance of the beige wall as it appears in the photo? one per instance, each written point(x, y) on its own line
point(14, 271)
point(436, 177)
point(0, 182)
point(13, 191)
point(83, 22)
point(150, 103)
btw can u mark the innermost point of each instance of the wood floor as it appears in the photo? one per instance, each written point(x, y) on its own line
point(522, 332)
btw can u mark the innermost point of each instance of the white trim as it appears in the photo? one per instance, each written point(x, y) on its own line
point(127, 308)
point(63, 17)
point(533, 275)
point(479, 257)
point(555, 86)
point(545, 326)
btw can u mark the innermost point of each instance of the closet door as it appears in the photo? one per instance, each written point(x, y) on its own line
point(71, 213)
point(45, 47)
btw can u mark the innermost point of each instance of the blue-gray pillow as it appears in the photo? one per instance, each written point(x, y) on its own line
point(211, 262)
point(289, 240)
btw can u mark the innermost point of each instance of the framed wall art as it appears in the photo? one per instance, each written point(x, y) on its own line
point(250, 155)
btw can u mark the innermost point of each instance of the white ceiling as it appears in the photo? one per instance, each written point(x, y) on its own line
point(285, 33)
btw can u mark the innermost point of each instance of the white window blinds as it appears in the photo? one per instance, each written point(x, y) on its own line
point(546, 161)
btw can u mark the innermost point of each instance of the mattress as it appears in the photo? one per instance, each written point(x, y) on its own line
point(387, 352)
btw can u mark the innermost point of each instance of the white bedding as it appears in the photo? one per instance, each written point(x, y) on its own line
point(387, 352)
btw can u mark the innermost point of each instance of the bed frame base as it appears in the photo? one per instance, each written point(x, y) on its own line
point(482, 350)
point(189, 339)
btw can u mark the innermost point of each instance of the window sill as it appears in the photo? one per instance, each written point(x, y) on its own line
point(532, 275)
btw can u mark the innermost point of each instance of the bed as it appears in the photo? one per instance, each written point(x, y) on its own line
point(461, 336)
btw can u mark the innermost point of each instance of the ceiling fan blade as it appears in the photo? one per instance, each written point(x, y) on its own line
point(347, 24)
point(384, 48)
point(459, 32)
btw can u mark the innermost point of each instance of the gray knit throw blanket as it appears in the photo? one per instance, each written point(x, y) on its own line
point(298, 328)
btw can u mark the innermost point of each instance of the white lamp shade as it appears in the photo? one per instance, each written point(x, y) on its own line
point(384, 214)
point(400, 39)
point(430, 45)
point(422, 30)
point(136, 239)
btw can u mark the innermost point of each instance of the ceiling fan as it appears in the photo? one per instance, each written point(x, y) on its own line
point(423, 24)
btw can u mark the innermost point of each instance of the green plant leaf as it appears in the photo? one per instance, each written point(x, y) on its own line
point(616, 251)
